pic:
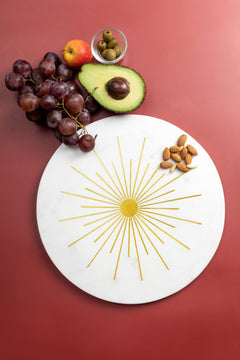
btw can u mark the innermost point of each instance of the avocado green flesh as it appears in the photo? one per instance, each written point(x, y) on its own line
point(95, 76)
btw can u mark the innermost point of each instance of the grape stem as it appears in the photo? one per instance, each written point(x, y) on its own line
point(30, 79)
point(72, 117)
point(54, 77)
point(90, 95)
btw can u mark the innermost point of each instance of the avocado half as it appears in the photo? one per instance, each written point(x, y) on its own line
point(94, 78)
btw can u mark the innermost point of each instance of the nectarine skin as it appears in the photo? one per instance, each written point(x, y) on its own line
point(76, 53)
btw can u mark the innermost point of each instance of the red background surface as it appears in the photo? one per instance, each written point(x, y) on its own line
point(188, 52)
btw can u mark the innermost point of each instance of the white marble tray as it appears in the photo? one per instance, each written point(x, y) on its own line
point(138, 250)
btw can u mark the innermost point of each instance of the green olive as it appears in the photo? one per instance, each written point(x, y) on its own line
point(109, 54)
point(101, 45)
point(107, 35)
point(118, 50)
point(112, 43)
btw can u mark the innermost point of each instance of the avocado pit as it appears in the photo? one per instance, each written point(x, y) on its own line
point(118, 88)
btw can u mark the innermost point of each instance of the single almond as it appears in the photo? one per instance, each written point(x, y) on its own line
point(175, 149)
point(192, 166)
point(183, 152)
point(173, 168)
point(192, 150)
point(166, 154)
point(182, 140)
point(177, 158)
point(166, 164)
point(182, 167)
point(188, 159)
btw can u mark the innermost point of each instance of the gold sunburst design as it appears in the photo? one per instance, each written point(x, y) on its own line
point(130, 207)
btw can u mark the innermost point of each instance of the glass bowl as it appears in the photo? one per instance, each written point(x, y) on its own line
point(121, 40)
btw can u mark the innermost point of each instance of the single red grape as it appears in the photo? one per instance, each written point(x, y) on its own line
point(59, 89)
point(64, 72)
point(74, 103)
point(48, 102)
point(53, 118)
point(54, 57)
point(47, 68)
point(35, 116)
point(73, 88)
point(29, 102)
point(14, 81)
point(84, 117)
point(91, 104)
point(22, 67)
point(44, 88)
point(86, 143)
point(70, 139)
point(67, 126)
point(37, 76)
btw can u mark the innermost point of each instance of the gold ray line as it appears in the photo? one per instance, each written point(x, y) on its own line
point(106, 197)
point(86, 197)
point(135, 195)
point(140, 235)
point(118, 198)
point(104, 243)
point(144, 187)
point(151, 217)
point(122, 194)
point(164, 185)
point(134, 237)
point(150, 187)
point(156, 197)
point(130, 179)
point(165, 232)
point(129, 237)
point(124, 175)
point(158, 208)
point(82, 216)
point(90, 232)
point(120, 250)
point(139, 163)
point(181, 198)
point(106, 170)
point(123, 220)
point(153, 232)
point(102, 218)
point(104, 232)
point(152, 244)
point(172, 217)
point(169, 182)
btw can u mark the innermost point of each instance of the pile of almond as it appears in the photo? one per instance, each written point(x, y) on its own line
point(181, 154)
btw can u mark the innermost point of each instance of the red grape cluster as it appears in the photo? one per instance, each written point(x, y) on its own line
point(48, 94)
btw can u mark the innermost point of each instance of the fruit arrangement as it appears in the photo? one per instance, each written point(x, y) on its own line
point(108, 46)
point(49, 95)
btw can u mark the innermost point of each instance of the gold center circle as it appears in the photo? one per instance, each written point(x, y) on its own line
point(129, 207)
